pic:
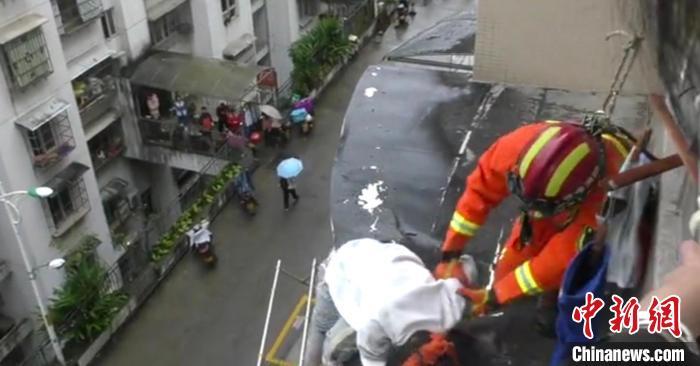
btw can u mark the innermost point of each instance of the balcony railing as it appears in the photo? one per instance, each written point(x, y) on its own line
point(102, 155)
point(168, 133)
point(96, 108)
point(53, 155)
point(12, 334)
point(76, 14)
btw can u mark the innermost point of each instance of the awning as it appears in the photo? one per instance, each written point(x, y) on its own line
point(66, 177)
point(44, 113)
point(452, 36)
point(88, 60)
point(155, 9)
point(235, 47)
point(195, 75)
point(115, 187)
point(20, 27)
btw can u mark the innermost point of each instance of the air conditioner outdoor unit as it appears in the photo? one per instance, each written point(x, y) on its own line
point(134, 199)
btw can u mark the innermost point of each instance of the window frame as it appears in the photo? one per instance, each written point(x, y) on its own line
point(67, 206)
point(162, 28)
point(109, 29)
point(38, 139)
point(229, 10)
point(45, 154)
point(19, 45)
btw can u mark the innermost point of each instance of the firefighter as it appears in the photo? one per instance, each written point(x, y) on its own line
point(553, 168)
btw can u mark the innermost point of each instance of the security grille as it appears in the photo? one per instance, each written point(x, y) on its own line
point(89, 9)
point(27, 58)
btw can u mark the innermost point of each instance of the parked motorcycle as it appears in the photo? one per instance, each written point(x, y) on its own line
point(246, 194)
point(302, 114)
point(201, 241)
point(402, 14)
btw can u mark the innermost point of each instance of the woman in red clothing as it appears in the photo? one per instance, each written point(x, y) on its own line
point(554, 169)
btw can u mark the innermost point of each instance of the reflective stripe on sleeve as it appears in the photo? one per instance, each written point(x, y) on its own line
point(527, 283)
point(462, 225)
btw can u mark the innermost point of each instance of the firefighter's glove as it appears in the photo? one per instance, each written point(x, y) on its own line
point(451, 267)
point(480, 301)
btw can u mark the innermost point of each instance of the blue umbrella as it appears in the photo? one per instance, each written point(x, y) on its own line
point(289, 168)
point(586, 273)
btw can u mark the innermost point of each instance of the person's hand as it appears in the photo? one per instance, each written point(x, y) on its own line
point(683, 282)
point(451, 269)
point(481, 300)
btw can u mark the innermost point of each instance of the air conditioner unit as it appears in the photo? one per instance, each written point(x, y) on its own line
point(134, 199)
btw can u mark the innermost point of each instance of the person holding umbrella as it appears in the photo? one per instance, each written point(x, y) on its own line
point(287, 170)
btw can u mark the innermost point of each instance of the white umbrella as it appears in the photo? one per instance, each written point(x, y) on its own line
point(270, 111)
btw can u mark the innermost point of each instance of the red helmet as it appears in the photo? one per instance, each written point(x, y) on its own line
point(557, 169)
point(255, 137)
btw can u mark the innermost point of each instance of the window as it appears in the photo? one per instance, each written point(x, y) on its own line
point(27, 58)
point(69, 202)
point(228, 9)
point(164, 26)
point(108, 28)
point(115, 202)
point(307, 10)
point(51, 141)
point(42, 140)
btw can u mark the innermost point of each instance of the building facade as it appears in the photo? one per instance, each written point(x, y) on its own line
point(69, 120)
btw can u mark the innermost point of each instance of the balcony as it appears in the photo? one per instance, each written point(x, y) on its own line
point(72, 15)
point(12, 334)
point(107, 146)
point(168, 133)
point(48, 133)
point(98, 107)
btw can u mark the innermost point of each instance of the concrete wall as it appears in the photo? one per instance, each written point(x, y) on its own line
point(559, 44)
point(284, 30)
point(17, 172)
point(132, 26)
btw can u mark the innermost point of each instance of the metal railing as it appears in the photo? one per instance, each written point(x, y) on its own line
point(96, 108)
point(359, 18)
point(186, 138)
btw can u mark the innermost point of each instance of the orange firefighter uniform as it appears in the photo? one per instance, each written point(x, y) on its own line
point(538, 266)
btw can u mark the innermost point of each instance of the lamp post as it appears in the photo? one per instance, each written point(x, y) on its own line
point(15, 219)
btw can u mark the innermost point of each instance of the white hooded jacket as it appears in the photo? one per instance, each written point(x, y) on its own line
point(385, 294)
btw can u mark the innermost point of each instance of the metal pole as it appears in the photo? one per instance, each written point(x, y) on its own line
point(269, 313)
point(309, 298)
point(55, 343)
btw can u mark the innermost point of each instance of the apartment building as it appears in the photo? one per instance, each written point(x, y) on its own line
point(69, 120)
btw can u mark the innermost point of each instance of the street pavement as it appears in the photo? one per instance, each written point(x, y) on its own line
point(200, 317)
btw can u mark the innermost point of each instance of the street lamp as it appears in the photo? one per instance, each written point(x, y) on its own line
point(15, 219)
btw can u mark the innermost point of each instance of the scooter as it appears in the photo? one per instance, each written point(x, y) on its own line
point(200, 240)
point(302, 118)
point(402, 11)
point(246, 194)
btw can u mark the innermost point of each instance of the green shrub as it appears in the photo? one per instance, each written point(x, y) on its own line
point(316, 53)
point(83, 307)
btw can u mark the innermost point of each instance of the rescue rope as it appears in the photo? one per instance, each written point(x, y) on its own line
point(623, 69)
